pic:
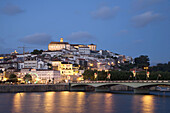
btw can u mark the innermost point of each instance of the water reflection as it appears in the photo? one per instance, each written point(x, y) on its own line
point(80, 102)
point(64, 102)
point(49, 98)
point(17, 102)
point(147, 104)
point(109, 102)
point(143, 103)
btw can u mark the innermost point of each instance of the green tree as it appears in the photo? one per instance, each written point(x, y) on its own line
point(142, 61)
point(161, 67)
point(121, 75)
point(36, 52)
point(126, 67)
point(28, 77)
point(12, 78)
point(88, 75)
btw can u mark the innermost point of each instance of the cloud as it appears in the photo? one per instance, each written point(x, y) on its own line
point(11, 10)
point(137, 41)
point(142, 4)
point(145, 19)
point(81, 36)
point(122, 32)
point(37, 39)
point(105, 13)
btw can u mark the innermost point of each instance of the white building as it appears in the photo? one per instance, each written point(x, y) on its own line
point(53, 46)
point(41, 75)
point(84, 50)
point(31, 64)
point(53, 53)
point(46, 75)
point(42, 65)
point(20, 65)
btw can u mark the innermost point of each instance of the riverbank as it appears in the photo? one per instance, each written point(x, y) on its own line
point(33, 88)
point(55, 87)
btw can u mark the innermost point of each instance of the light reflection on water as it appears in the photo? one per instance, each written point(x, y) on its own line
point(17, 102)
point(49, 98)
point(143, 103)
point(148, 104)
point(81, 102)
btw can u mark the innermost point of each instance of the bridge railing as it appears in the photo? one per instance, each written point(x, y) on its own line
point(127, 81)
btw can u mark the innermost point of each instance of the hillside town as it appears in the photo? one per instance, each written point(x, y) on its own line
point(62, 62)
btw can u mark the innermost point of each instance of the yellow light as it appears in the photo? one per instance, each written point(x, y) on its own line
point(146, 68)
point(148, 103)
point(106, 70)
point(37, 79)
point(80, 78)
point(5, 79)
point(19, 79)
point(91, 64)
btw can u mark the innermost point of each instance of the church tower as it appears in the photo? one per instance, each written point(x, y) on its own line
point(61, 39)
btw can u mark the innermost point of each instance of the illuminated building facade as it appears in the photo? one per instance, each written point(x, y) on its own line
point(66, 68)
point(56, 65)
point(54, 46)
point(42, 75)
point(92, 47)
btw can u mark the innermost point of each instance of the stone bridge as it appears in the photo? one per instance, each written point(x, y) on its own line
point(139, 86)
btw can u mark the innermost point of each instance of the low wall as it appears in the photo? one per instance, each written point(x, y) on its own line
point(33, 88)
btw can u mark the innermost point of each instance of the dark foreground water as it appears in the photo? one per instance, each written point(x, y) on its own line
point(83, 102)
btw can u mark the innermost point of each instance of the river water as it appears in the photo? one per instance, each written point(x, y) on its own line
point(84, 102)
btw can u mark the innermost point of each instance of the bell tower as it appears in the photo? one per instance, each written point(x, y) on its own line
point(61, 39)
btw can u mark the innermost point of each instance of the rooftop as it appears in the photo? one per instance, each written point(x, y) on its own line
point(59, 43)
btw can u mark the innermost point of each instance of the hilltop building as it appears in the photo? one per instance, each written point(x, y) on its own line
point(55, 46)
point(92, 47)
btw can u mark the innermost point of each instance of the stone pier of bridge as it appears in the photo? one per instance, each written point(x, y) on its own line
point(102, 89)
point(78, 88)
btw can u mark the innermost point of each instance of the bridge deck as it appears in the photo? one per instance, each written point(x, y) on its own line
point(131, 83)
point(127, 81)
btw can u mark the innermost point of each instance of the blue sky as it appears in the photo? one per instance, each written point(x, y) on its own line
point(129, 27)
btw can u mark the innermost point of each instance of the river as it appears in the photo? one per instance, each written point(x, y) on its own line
point(84, 102)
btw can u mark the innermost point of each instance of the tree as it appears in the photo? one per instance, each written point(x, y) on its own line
point(142, 61)
point(28, 77)
point(161, 67)
point(36, 52)
point(126, 67)
point(88, 74)
point(12, 78)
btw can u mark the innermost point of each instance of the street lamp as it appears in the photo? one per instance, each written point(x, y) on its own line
point(147, 73)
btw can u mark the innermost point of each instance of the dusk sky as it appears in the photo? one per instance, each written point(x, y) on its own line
point(128, 27)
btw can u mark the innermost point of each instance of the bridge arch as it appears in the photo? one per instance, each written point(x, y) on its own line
point(152, 85)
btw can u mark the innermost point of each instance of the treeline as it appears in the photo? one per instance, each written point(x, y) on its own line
point(143, 61)
point(161, 67)
point(124, 75)
point(139, 62)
